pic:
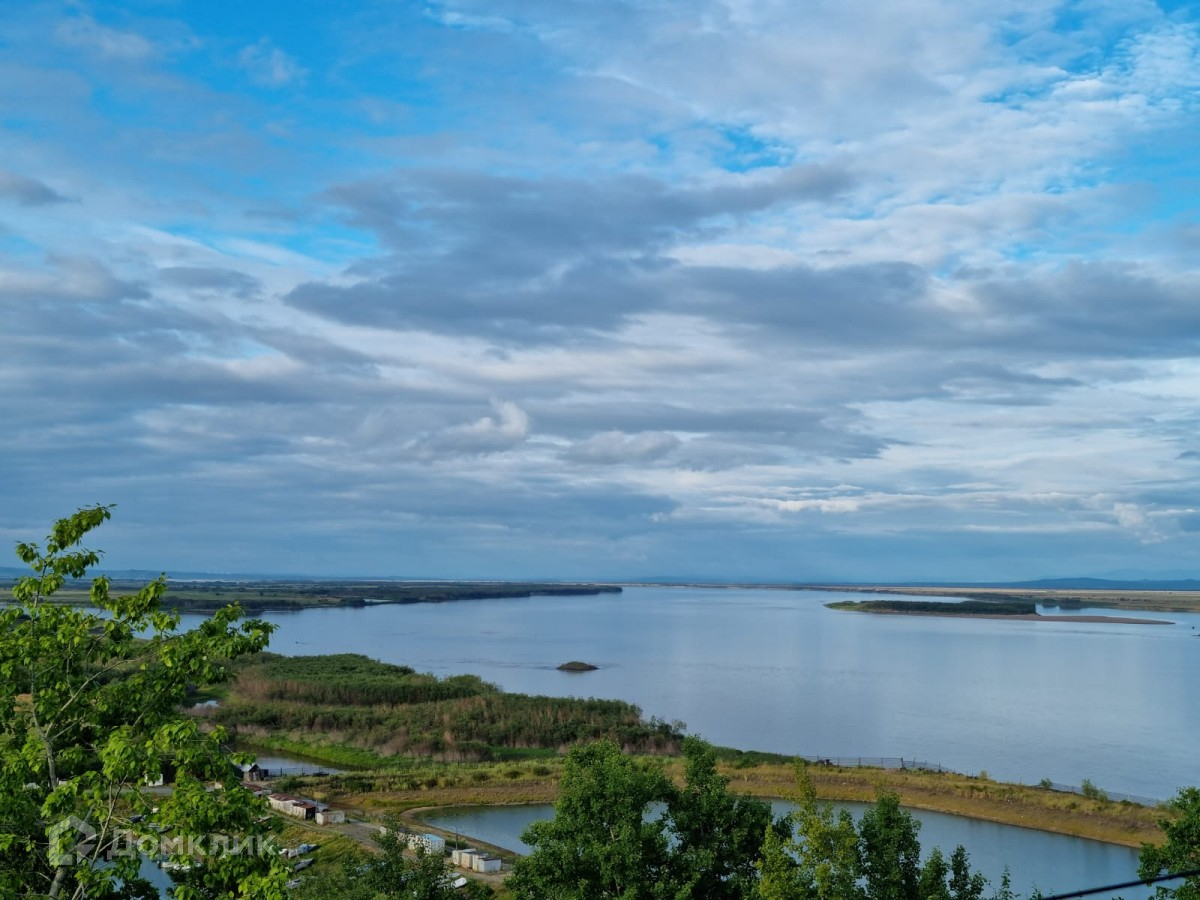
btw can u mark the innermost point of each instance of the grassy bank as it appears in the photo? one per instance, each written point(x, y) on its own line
point(430, 785)
point(965, 795)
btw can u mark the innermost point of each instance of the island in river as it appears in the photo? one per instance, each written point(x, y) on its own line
point(978, 609)
point(577, 666)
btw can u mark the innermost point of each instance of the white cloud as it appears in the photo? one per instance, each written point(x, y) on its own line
point(269, 66)
point(504, 430)
point(889, 276)
point(86, 33)
point(1133, 518)
point(824, 505)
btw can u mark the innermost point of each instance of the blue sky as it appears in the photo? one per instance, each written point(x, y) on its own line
point(749, 290)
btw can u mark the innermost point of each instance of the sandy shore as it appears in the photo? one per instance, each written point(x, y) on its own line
point(1030, 617)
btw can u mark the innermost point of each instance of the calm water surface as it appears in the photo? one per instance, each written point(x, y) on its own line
point(1051, 862)
point(776, 670)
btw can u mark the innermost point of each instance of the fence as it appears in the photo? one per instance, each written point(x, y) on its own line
point(280, 771)
point(875, 762)
point(1096, 793)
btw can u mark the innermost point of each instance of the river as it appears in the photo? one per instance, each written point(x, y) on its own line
point(775, 670)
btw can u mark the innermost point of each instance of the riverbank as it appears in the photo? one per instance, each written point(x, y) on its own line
point(1094, 818)
point(257, 597)
point(1019, 617)
point(1018, 609)
point(1136, 600)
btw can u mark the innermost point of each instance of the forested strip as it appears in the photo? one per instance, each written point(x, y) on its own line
point(393, 710)
point(962, 608)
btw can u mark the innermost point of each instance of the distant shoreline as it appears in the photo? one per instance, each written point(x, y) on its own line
point(1117, 599)
point(1025, 617)
point(258, 597)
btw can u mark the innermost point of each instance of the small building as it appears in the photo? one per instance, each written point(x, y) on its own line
point(307, 809)
point(463, 857)
point(484, 863)
point(331, 817)
point(431, 842)
point(292, 806)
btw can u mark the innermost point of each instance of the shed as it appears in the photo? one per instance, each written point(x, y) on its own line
point(485, 863)
point(331, 817)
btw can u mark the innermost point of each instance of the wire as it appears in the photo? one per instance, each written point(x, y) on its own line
point(1124, 884)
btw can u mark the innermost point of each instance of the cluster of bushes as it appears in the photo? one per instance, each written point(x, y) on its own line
point(392, 710)
point(349, 679)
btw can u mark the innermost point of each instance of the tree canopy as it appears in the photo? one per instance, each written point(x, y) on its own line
point(90, 714)
point(622, 830)
point(1180, 852)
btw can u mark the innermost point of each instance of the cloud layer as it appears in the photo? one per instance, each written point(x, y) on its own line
point(746, 290)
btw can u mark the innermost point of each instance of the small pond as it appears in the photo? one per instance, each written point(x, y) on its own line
point(1050, 862)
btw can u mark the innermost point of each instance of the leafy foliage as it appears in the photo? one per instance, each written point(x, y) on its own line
point(350, 679)
point(1181, 850)
point(829, 857)
point(89, 704)
point(609, 839)
point(716, 835)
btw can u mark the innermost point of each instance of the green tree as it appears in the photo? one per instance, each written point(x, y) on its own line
point(89, 712)
point(345, 881)
point(934, 877)
point(965, 884)
point(825, 845)
point(717, 836)
point(392, 874)
point(889, 850)
point(1181, 850)
point(599, 843)
point(778, 873)
point(824, 856)
point(1005, 891)
point(424, 876)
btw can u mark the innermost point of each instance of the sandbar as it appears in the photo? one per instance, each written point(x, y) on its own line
point(1028, 617)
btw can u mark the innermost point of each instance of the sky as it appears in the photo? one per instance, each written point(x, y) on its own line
point(720, 289)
